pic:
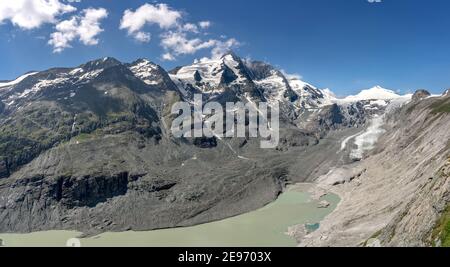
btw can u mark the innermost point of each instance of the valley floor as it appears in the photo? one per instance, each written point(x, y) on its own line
point(265, 227)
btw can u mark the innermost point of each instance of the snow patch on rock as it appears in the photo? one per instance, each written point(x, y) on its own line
point(16, 81)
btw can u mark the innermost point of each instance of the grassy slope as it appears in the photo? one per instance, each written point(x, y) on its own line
point(442, 229)
point(441, 106)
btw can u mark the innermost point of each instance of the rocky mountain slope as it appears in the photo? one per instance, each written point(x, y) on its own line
point(399, 194)
point(90, 148)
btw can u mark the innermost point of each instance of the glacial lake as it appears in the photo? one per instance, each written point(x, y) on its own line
point(265, 227)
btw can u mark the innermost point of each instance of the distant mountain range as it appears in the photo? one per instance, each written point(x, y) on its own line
point(211, 77)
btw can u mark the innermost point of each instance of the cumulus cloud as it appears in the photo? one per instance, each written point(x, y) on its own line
point(159, 14)
point(168, 57)
point(190, 27)
point(292, 76)
point(179, 44)
point(221, 47)
point(85, 28)
point(177, 36)
point(31, 14)
point(204, 24)
point(143, 37)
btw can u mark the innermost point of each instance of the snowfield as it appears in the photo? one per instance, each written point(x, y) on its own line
point(374, 93)
point(16, 81)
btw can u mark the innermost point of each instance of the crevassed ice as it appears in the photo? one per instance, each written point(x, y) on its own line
point(367, 140)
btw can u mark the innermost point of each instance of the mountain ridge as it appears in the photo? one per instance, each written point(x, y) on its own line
point(107, 62)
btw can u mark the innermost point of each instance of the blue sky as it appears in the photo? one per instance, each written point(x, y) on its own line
point(344, 45)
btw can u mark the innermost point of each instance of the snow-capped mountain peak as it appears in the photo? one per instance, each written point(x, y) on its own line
point(102, 63)
point(290, 89)
point(205, 70)
point(61, 83)
point(374, 93)
point(215, 76)
point(211, 75)
point(224, 78)
point(308, 91)
point(145, 70)
point(151, 74)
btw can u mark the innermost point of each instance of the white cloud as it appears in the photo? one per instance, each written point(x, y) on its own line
point(179, 44)
point(221, 47)
point(160, 14)
point(31, 14)
point(178, 37)
point(204, 24)
point(168, 57)
point(66, 33)
point(293, 76)
point(85, 28)
point(143, 37)
point(190, 27)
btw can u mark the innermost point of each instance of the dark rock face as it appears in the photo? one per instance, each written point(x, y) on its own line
point(104, 63)
point(335, 116)
point(314, 92)
point(152, 186)
point(197, 76)
point(331, 117)
point(357, 114)
point(228, 76)
point(204, 142)
point(175, 70)
point(291, 95)
point(4, 169)
point(89, 191)
point(258, 70)
point(420, 94)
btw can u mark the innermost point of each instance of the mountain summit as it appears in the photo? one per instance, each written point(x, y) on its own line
point(374, 93)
